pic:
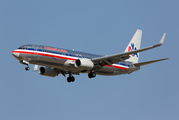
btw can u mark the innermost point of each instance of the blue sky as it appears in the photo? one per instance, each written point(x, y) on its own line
point(101, 27)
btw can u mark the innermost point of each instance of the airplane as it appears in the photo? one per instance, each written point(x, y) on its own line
point(55, 61)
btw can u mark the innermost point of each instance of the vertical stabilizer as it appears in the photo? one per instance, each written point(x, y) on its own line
point(134, 45)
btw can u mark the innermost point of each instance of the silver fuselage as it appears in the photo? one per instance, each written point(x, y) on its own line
point(63, 59)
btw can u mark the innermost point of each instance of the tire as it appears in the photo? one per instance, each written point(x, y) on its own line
point(72, 79)
point(68, 79)
point(27, 68)
point(90, 75)
point(93, 74)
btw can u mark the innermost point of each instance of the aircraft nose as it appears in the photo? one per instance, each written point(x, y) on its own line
point(15, 54)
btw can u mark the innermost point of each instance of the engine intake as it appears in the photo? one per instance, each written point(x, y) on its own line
point(48, 71)
point(84, 64)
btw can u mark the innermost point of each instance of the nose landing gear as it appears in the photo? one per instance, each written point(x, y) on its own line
point(27, 68)
point(25, 63)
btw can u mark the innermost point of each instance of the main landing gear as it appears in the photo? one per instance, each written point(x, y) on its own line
point(92, 75)
point(70, 78)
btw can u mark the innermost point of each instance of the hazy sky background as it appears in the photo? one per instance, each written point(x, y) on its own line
point(95, 26)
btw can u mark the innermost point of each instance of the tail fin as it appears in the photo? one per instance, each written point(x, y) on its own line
point(134, 45)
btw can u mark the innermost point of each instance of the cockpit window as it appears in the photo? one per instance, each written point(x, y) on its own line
point(24, 47)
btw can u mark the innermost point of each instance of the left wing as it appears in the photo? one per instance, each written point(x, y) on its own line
point(111, 59)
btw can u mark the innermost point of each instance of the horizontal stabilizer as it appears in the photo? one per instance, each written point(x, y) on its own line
point(148, 62)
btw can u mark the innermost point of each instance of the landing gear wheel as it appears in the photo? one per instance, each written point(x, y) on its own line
point(70, 79)
point(27, 68)
point(92, 75)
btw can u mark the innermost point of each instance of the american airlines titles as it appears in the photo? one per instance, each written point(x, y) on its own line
point(55, 49)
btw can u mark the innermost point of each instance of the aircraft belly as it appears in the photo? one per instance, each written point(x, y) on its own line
point(67, 64)
point(50, 62)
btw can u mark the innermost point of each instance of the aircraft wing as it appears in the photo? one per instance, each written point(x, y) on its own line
point(111, 59)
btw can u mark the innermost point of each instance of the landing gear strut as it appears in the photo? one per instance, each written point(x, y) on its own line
point(25, 63)
point(92, 75)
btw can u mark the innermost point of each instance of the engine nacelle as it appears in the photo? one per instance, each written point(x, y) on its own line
point(84, 64)
point(48, 71)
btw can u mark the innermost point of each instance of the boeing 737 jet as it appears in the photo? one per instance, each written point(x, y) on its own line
point(55, 61)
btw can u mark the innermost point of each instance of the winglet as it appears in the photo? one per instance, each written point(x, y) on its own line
point(162, 39)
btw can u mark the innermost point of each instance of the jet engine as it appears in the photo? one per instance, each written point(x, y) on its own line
point(48, 71)
point(84, 64)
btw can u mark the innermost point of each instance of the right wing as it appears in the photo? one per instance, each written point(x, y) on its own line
point(111, 59)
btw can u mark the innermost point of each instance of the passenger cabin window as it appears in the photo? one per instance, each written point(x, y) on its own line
point(39, 50)
point(31, 49)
